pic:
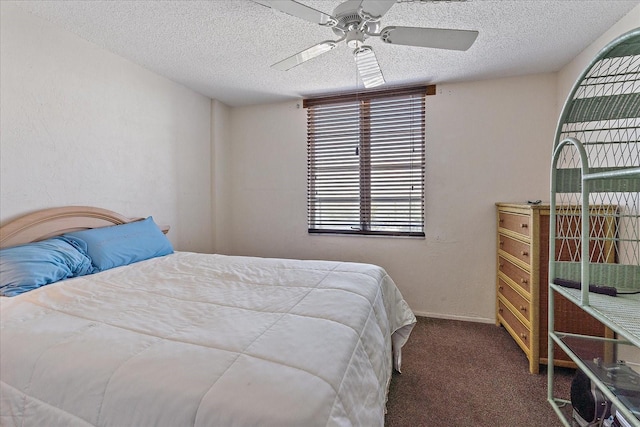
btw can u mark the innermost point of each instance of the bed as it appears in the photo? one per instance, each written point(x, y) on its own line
point(190, 339)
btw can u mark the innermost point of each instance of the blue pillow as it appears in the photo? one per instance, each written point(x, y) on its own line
point(110, 247)
point(27, 267)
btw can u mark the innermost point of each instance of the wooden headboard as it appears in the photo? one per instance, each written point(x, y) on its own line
point(52, 222)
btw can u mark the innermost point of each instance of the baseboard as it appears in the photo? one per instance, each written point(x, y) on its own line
point(454, 317)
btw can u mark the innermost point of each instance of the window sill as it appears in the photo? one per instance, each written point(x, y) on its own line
point(420, 236)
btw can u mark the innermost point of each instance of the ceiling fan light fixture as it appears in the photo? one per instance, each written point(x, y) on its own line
point(354, 38)
point(368, 67)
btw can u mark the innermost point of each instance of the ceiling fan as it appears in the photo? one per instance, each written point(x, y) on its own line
point(353, 21)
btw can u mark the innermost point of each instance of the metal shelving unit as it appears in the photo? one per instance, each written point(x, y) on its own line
point(595, 179)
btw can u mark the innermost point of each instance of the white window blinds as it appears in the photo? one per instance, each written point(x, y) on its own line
point(366, 162)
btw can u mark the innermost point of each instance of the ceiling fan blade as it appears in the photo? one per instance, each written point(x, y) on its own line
point(305, 55)
point(429, 37)
point(374, 9)
point(368, 67)
point(300, 10)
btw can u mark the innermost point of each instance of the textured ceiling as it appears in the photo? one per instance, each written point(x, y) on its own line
point(224, 48)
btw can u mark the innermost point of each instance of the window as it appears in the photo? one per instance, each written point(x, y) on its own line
point(366, 162)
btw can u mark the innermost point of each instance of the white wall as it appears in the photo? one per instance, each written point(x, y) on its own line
point(220, 149)
point(82, 126)
point(487, 141)
point(570, 73)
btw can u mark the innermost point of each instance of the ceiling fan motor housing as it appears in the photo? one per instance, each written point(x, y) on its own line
point(349, 21)
point(354, 39)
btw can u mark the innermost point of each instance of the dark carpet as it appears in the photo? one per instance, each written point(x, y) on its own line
point(464, 374)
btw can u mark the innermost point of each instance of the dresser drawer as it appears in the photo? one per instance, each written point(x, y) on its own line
point(522, 275)
point(514, 222)
point(516, 248)
point(515, 299)
point(519, 276)
point(521, 332)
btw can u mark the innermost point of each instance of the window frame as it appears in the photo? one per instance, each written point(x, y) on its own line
point(362, 104)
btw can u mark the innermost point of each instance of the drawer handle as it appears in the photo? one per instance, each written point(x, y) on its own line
point(501, 220)
point(501, 243)
point(523, 308)
point(524, 281)
point(500, 265)
point(524, 225)
point(523, 335)
point(500, 288)
point(524, 253)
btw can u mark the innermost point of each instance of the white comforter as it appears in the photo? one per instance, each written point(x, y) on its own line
point(204, 340)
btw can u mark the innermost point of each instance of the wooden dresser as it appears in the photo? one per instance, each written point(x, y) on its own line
point(522, 284)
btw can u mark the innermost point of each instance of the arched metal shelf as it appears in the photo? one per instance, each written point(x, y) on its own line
point(595, 180)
